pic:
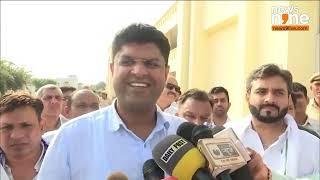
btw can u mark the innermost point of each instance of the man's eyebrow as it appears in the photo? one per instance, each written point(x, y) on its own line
point(145, 59)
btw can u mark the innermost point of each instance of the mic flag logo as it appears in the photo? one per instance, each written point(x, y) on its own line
point(173, 149)
point(289, 18)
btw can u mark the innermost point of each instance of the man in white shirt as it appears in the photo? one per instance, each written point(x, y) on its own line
point(21, 147)
point(51, 97)
point(169, 95)
point(284, 148)
point(121, 136)
point(220, 106)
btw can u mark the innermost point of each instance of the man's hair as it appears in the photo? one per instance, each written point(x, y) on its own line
point(294, 99)
point(297, 87)
point(195, 94)
point(269, 70)
point(14, 100)
point(39, 93)
point(219, 89)
point(67, 88)
point(141, 33)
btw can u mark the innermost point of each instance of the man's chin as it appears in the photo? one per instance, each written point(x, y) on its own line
point(268, 119)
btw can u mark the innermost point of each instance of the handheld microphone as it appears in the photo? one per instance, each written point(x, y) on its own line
point(179, 158)
point(117, 176)
point(221, 151)
point(185, 130)
point(151, 171)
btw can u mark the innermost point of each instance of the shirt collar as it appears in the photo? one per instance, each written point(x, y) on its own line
point(38, 163)
point(288, 119)
point(116, 122)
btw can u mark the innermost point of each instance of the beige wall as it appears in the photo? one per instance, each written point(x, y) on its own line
point(220, 43)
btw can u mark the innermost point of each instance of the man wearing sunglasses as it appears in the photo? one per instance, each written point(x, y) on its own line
point(169, 95)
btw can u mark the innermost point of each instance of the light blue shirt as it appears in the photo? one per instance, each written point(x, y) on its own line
point(93, 146)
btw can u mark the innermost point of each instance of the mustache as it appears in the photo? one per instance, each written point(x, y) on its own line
point(269, 105)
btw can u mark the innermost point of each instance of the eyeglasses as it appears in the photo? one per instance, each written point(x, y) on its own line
point(172, 86)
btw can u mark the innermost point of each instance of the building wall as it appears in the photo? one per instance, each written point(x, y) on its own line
point(221, 42)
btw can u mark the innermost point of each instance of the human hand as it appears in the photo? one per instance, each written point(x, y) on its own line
point(257, 169)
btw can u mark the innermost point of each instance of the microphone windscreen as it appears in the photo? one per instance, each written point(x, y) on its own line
point(200, 132)
point(241, 173)
point(117, 176)
point(185, 130)
point(217, 129)
point(178, 157)
point(152, 171)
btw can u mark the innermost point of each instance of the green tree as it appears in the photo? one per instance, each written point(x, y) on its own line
point(39, 82)
point(12, 77)
point(99, 86)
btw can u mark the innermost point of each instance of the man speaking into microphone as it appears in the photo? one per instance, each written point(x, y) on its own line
point(120, 137)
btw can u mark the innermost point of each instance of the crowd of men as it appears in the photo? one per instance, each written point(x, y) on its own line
point(62, 133)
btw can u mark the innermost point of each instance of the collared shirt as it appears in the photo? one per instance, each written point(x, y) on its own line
point(97, 144)
point(313, 110)
point(172, 109)
point(36, 166)
point(212, 125)
point(295, 153)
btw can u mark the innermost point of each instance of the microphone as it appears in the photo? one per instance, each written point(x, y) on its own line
point(223, 150)
point(242, 172)
point(185, 130)
point(179, 158)
point(117, 176)
point(151, 171)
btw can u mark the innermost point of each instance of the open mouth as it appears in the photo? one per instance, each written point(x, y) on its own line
point(139, 85)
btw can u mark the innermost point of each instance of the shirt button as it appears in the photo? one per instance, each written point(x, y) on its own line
point(144, 145)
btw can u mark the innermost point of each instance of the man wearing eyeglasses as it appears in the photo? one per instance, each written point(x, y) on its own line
point(169, 95)
point(51, 97)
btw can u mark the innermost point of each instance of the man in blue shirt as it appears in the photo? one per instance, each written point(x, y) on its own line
point(121, 136)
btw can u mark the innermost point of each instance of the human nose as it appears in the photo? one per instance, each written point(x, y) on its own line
point(269, 98)
point(139, 69)
point(16, 133)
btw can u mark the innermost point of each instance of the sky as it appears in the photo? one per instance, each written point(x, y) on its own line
point(54, 39)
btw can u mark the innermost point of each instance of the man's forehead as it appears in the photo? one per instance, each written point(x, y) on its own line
point(47, 92)
point(219, 95)
point(316, 83)
point(268, 82)
point(172, 80)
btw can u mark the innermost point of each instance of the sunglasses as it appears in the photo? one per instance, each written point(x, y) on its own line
point(172, 86)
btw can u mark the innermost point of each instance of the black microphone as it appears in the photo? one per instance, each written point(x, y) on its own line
point(151, 171)
point(180, 159)
point(185, 130)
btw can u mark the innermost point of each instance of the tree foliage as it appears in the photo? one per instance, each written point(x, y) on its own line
point(99, 86)
point(39, 82)
point(12, 77)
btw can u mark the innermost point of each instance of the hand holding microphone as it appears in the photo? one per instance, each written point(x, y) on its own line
point(256, 166)
point(222, 148)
